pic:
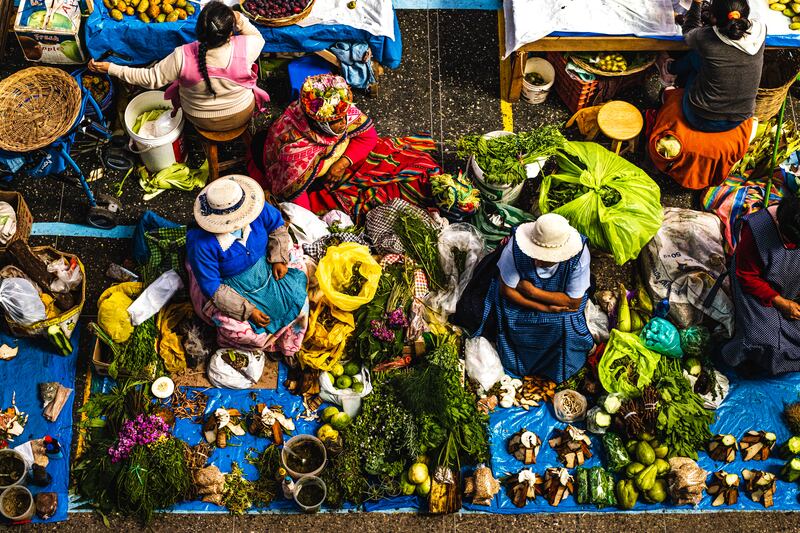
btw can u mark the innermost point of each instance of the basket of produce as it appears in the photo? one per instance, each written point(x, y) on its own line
point(150, 11)
point(613, 64)
point(37, 106)
point(99, 85)
point(501, 161)
point(276, 13)
point(67, 305)
point(780, 71)
point(23, 214)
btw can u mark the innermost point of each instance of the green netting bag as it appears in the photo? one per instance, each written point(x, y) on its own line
point(626, 366)
point(610, 200)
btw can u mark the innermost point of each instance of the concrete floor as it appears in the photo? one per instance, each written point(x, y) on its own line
point(447, 85)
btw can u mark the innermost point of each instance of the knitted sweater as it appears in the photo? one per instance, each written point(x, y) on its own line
point(197, 101)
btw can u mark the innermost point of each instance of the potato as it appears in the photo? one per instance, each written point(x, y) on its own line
point(116, 14)
point(172, 17)
point(143, 5)
point(144, 18)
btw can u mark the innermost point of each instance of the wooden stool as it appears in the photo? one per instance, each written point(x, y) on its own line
point(622, 123)
point(211, 139)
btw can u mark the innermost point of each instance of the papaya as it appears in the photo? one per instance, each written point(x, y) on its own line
point(116, 14)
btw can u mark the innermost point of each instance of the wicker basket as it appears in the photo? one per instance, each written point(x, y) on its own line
point(769, 101)
point(279, 22)
point(596, 71)
point(37, 106)
point(24, 217)
point(6, 23)
point(67, 320)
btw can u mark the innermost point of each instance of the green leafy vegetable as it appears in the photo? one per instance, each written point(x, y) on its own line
point(421, 242)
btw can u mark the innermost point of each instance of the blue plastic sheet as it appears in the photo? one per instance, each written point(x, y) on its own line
point(36, 362)
point(139, 44)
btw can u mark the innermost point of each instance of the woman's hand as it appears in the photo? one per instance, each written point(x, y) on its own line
point(99, 66)
point(279, 270)
point(337, 169)
point(260, 318)
point(788, 308)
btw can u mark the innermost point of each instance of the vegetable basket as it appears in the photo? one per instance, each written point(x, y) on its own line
point(24, 217)
point(37, 106)
point(277, 22)
point(68, 319)
point(641, 67)
point(507, 194)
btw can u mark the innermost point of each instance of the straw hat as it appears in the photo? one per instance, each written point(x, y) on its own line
point(550, 239)
point(228, 204)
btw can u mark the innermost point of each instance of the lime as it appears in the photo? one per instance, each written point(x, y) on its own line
point(343, 382)
point(418, 473)
point(337, 370)
point(352, 368)
point(340, 421)
point(328, 413)
point(358, 387)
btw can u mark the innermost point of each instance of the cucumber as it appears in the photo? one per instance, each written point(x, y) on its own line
point(59, 340)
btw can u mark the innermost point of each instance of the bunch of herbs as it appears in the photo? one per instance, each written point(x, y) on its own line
point(420, 240)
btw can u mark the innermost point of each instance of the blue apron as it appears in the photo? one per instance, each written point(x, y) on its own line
point(529, 342)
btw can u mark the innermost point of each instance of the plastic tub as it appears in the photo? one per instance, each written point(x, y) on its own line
point(536, 94)
point(309, 483)
point(23, 509)
point(11, 461)
point(162, 152)
point(307, 446)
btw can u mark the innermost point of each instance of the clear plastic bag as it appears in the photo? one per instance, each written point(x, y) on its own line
point(482, 362)
point(68, 277)
point(460, 250)
point(20, 300)
point(347, 398)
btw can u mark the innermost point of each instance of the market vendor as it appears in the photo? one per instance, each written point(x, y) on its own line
point(323, 153)
point(212, 79)
point(243, 276)
point(766, 289)
point(539, 298)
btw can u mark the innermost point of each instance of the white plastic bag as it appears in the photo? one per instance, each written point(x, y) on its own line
point(66, 278)
point(20, 300)
point(482, 362)
point(340, 218)
point(154, 297)
point(465, 239)
point(8, 222)
point(349, 400)
point(223, 375)
point(305, 226)
point(597, 321)
point(713, 399)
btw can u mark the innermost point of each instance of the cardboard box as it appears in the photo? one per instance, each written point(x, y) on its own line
point(48, 31)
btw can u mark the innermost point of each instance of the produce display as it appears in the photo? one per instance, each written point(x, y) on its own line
point(790, 9)
point(97, 85)
point(274, 9)
point(150, 10)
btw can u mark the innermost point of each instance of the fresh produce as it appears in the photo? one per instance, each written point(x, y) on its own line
point(572, 446)
point(522, 487)
point(221, 425)
point(524, 445)
point(610, 403)
point(658, 492)
point(686, 481)
point(328, 413)
point(790, 449)
point(791, 470)
point(137, 357)
point(694, 340)
point(791, 415)
point(757, 445)
point(481, 487)
point(343, 382)
point(326, 432)
point(662, 467)
point(418, 473)
point(597, 421)
point(633, 469)
point(340, 421)
point(351, 368)
point(723, 448)
point(150, 10)
point(760, 486)
point(759, 154)
point(790, 10)
point(594, 485)
point(445, 496)
point(274, 9)
point(645, 479)
point(558, 484)
point(627, 495)
point(564, 192)
point(693, 366)
point(645, 453)
point(723, 488)
point(503, 159)
point(612, 63)
point(420, 241)
point(617, 457)
point(269, 422)
point(98, 86)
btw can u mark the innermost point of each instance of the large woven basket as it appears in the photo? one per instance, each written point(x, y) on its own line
point(596, 71)
point(769, 101)
point(24, 217)
point(279, 22)
point(37, 106)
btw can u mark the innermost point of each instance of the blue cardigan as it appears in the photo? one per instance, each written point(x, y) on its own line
point(210, 264)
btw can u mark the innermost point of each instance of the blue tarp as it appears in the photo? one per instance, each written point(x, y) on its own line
point(36, 362)
point(145, 43)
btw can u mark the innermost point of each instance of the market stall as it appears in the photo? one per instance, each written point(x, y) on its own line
point(327, 23)
point(643, 25)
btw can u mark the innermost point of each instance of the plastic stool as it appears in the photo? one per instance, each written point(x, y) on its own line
point(211, 139)
point(621, 122)
point(303, 67)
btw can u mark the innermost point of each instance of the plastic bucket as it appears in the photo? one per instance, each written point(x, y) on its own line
point(162, 152)
point(23, 504)
point(536, 94)
point(11, 462)
point(506, 194)
point(305, 483)
point(296, 442)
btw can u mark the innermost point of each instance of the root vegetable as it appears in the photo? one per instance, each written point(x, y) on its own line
point(756, 445)
point(723, 448)
point(723, 488)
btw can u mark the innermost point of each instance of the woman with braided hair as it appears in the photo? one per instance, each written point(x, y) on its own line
point(212, 79)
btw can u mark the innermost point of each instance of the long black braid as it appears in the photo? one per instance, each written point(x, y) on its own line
point(214, 28)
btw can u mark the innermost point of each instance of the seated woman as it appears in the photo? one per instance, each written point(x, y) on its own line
point(704, 129)
point(323, 153)
point(766, 288)
point(214, 78)
point(539, 300)
point(243, 278)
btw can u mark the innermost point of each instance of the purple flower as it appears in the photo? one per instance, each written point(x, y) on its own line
point(397, 319)
point(141, 431)
point(381, 332)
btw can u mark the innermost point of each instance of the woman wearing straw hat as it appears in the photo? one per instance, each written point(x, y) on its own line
point(539, 299)
point(243, 276)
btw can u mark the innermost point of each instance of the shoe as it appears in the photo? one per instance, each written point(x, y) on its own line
point(663, 62)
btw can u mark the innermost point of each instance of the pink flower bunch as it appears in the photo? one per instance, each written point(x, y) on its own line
point(397, 319)
point(381, 332)
point(141, 431)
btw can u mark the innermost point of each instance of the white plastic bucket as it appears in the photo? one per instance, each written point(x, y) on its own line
point(162, 152)
point(310, 481)
point(536, 94)
point(507, 194)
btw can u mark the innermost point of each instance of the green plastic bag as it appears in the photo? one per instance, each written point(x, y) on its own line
point(626, 358)
point(661, 336)
point(490, 214)
point(622, 228)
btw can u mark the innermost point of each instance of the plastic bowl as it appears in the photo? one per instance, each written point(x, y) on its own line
point(302, 443)
point(304, 483)
point(18, 491)
point(13, 458)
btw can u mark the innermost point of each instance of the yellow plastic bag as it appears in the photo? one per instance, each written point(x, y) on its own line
point(112, 310)
point(335, 271)
point(326, 337)
point(170, 346)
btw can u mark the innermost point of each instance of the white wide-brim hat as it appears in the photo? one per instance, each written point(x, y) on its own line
point(550, 238)
point(228, 204)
